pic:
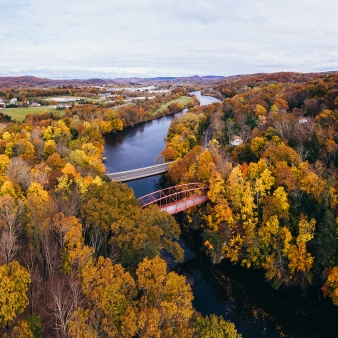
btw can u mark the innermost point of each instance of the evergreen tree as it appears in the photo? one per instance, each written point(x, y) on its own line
point(325, 242)
point(314, 147)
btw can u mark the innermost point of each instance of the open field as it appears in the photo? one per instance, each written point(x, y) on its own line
point(69, 98)
point(20, 113)
point(183, 100)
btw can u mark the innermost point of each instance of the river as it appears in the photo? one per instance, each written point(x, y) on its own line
point(236, 293)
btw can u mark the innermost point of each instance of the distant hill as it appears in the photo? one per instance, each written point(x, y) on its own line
point(32, 81)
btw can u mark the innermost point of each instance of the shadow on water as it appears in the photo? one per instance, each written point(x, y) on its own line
point(242, 296)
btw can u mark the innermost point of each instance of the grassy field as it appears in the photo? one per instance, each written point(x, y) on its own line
point(74, 98)
point(183, 100)
point(20, 113)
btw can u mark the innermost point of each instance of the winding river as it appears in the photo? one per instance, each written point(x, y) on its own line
point(236, 293)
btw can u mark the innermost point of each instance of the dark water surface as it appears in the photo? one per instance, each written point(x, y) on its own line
point(138, 147)
point(236, 293)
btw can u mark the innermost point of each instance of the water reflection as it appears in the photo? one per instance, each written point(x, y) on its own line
point(242, 296)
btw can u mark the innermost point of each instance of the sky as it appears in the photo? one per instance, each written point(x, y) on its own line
point(66, 39)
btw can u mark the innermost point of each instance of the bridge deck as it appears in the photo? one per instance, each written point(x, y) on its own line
point(130, 175)
point(182, 205)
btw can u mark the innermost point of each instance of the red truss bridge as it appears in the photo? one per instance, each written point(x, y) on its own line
point(177, 198)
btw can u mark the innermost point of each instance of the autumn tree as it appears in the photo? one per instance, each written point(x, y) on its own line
point(111, 292)
point(165, 306)
point(14, 281)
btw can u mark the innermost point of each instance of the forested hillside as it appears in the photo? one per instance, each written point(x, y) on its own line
point(78, 255)
point(273, 195)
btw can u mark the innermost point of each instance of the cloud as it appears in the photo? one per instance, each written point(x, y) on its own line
point(107, 38)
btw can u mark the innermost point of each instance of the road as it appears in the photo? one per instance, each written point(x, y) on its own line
point(207, 136)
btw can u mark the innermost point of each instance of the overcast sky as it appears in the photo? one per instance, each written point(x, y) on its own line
point(147, 38)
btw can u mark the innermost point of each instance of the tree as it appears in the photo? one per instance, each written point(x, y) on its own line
point(331, 285)
point(314, 147)
point(166, 301)
point(10, 227)
point(259, 110)
point(274, 243)
point(14, 281)
point(22, 330)
point(325, 242)
point(111, 292)
point(300, 260)
point(214, 327)
point(106, 205)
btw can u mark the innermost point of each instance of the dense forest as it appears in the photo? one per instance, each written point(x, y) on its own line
point(273, 196)
point(78, 255)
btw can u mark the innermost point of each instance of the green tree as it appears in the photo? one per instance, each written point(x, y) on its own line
point(314, 147)
point(214, 327)
point(325, 242)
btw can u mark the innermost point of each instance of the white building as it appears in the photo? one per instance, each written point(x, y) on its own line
point(303, 120)
point(236, 141)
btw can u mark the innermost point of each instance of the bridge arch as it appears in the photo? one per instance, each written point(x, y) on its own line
point(177, 198)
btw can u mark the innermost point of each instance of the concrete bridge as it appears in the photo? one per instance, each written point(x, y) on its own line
point(135, 174)
point(177, 198)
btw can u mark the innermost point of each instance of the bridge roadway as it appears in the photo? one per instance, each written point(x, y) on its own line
point(135, 174)
point(185, 204)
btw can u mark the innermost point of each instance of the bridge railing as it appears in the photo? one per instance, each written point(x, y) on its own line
point(173, 194)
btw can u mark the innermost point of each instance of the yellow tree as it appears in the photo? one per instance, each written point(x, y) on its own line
point(331, 285)
point(300, 260)
point(21, 330)
point(274, 245)
point(14, 281)
point(249, 222)
point(165, 307)
point(111, 292)
point(260, 110)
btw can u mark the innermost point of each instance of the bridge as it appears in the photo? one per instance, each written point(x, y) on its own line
point(177, 198)
point(135, 174)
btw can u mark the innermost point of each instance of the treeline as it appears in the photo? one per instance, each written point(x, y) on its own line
point(131, 114)
point(78, 256)
point(273, 198)
point(34, 93)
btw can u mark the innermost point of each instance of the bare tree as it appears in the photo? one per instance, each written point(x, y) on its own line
point(29, 256)
point(19, 172)
point(245, 133)
point(66, 299)
point(302, 151)
point(10, 227)
point(9, 247)
point(284, 123)
point(50, 253)
point(311, 106)
point(67, 202)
